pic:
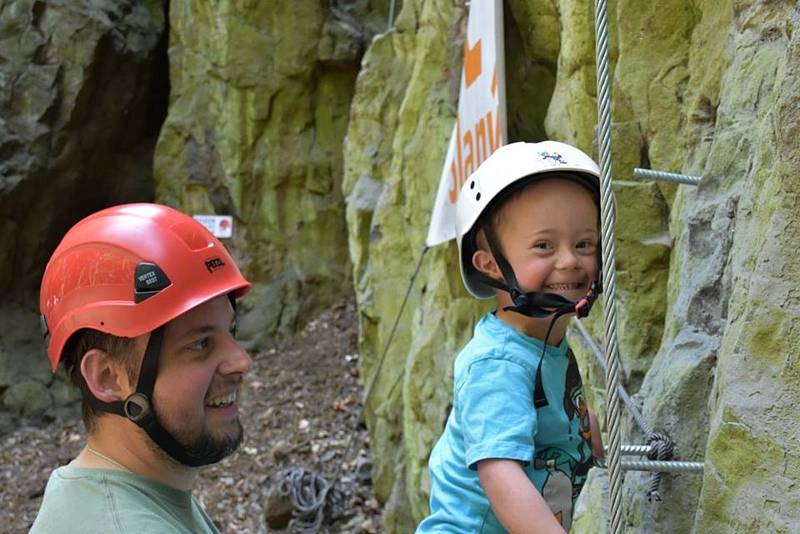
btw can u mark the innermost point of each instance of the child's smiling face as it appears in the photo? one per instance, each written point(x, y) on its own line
point(548, 232)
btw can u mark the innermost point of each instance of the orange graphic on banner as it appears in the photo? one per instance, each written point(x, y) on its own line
point(472, 62)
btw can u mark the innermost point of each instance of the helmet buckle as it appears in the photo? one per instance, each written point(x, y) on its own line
point(137, 407)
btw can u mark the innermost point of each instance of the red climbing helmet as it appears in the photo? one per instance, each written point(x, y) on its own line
point(129, 269)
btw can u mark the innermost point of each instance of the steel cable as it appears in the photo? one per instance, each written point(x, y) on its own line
point(660, 446)
point(609, 268)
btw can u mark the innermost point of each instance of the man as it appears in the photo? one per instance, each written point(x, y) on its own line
point(138, 303)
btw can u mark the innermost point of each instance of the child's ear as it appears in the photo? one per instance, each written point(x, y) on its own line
point(484, 262)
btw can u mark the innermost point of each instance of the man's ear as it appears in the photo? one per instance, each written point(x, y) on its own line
point(106, 379)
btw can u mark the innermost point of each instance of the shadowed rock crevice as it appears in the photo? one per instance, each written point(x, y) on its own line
point(87, 93)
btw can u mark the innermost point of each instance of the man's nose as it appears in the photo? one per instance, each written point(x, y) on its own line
point(237, 360)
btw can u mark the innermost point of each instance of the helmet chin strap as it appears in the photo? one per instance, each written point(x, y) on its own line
point(536, 304)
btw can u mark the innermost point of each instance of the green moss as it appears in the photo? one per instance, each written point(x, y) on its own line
point(767, 334)
point(738, 458)
point(258, 135)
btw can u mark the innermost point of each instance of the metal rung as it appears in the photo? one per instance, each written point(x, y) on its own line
point(635, 450)
point(661, 466)
point(673, 177)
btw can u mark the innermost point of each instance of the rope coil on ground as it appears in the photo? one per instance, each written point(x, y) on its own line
point(311, 494)
point(312, 497)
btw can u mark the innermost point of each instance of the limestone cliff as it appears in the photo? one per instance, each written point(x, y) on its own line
point(708, 317)
point(259, 104)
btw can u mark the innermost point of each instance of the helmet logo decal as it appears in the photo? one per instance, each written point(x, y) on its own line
point(214, 263)
point(147, 279)
point(554, 156)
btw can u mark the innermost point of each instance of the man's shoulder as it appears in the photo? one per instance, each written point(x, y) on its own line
point(97, 500)
point(71, 503)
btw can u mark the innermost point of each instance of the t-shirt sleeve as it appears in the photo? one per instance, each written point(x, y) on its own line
point(496, 411)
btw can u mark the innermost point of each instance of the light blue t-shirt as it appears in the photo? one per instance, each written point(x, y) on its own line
point(493, 416)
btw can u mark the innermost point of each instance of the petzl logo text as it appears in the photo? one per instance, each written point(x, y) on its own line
point(213, 264)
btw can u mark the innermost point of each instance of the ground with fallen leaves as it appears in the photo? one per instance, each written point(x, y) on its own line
point(300, 408)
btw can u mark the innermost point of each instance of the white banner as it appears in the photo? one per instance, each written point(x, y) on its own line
point(481, 122)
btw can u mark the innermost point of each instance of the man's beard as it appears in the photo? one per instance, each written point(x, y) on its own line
point(204, 449)
point(207, 449)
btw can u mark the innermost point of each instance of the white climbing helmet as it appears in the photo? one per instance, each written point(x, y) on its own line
point(509, 165)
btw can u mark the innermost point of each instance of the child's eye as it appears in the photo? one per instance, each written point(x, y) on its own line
point(542, 245)
point(585, 244)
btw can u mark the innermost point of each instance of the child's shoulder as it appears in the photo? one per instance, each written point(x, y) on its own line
point(493, 340)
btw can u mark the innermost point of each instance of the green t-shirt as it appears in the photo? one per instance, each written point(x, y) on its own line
point(86, 501)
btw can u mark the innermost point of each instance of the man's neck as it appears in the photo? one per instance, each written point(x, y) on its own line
point(121, 445)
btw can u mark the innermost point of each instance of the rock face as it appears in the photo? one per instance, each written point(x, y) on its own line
point(708, 317)
point(259, 105)
point(326, 146)
point(82, 96)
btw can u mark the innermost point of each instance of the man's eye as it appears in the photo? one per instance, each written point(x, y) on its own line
point(200, 344)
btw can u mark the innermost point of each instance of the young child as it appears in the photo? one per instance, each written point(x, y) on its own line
point(520, 440)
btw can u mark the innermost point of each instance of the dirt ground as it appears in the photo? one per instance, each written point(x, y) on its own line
point(299, 407)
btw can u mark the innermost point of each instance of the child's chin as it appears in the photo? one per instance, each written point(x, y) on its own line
point(573, 294)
